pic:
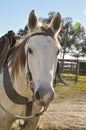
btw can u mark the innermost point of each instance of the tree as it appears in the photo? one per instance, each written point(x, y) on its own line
point(79, 45)
point(22, 32)
point(47, 20)
point(66, 37)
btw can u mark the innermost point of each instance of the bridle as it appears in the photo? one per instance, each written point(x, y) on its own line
point(20, 99)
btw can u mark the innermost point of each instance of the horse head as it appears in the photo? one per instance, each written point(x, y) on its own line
point(42, 48)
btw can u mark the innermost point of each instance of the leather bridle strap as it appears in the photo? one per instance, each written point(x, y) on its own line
point(29, 108)
point(10, 91)
point(29, 75)
point(39, 33)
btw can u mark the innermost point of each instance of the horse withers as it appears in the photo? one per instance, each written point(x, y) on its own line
point(26, 83)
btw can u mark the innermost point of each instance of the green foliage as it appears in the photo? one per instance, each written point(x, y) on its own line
point(76, 25)
point(73, 37)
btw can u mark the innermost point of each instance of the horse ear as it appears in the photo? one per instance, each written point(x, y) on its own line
point(32, 21)
point(55, 23)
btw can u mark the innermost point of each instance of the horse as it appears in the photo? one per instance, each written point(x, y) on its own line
point(26, 82)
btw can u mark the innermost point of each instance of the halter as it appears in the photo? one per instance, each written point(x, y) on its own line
point(10, 91)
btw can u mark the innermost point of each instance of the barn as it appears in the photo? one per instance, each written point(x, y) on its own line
point(73, 65)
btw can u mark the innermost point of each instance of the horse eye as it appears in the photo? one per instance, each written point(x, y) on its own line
point(30, 50)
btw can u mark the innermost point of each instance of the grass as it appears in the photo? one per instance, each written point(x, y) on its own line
point(72, 90)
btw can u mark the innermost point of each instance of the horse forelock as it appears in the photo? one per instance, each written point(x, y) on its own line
point(49, 31)
point(17, 59)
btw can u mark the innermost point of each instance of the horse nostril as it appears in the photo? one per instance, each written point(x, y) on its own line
point(44, 95)
point(37, 95)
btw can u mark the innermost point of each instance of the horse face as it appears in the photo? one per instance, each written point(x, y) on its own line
point(42, 59)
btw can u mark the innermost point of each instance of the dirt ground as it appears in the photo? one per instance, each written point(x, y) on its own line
point(69, 114)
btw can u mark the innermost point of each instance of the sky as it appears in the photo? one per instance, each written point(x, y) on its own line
point(14, 13)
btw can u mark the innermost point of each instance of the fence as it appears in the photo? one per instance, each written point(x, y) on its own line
point(68, 66)
point(74, 67)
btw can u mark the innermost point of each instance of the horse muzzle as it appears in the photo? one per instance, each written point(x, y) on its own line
point(44, 95)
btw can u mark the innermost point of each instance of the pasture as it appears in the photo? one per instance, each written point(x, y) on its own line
point(68, 110)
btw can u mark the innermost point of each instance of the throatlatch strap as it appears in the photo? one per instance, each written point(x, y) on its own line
point(10, 91)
